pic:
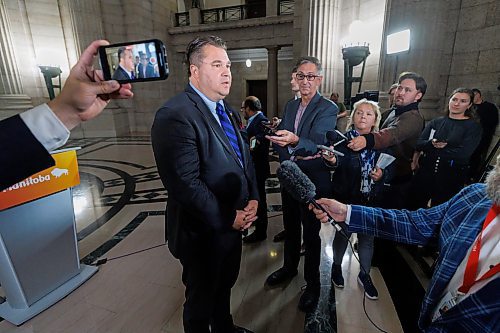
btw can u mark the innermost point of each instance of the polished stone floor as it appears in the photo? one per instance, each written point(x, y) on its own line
point(119, 208)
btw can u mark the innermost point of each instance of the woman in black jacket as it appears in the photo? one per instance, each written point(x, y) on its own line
point(443, 151)
point(358, 180)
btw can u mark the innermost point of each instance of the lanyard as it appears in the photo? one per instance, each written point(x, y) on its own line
point(473, 260)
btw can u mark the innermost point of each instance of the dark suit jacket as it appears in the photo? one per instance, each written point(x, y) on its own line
point(206, 183)
point(150, 71)
point(21, 154)
point(319, 117)
point(260, 154)
point(120, 74)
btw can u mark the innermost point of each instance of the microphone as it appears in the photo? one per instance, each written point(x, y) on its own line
point(331, 136)
point(301, 188)
point(337, 136)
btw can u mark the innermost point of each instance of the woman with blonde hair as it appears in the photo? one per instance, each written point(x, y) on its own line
point(357, 180)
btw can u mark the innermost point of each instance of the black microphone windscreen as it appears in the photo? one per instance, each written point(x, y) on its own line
point(296, 182)
point(331, 136)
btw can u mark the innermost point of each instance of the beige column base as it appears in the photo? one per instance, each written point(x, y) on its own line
point(14, 104)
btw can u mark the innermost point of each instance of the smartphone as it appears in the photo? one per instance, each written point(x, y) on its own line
point(268, 127)
point(140, 61)
point(253, 142)
point(331, 150)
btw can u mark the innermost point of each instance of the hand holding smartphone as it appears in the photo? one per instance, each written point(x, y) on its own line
point(139, 61)
point(269, 127)
point(330, 150)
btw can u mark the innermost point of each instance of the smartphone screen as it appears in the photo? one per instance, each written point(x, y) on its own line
point(134, 61)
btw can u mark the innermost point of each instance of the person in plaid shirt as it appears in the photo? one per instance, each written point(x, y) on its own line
point(463, 295)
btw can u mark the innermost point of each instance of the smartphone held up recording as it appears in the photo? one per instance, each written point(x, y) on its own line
point(268, 127)
point(139, 61)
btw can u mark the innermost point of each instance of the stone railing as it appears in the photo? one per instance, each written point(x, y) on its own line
point(234, 13)
point(286, 7)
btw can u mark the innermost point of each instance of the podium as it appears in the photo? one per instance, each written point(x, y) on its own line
point(39, 261)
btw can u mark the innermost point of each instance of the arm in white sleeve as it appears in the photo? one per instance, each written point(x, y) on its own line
point(348, 215)
point(46, 127)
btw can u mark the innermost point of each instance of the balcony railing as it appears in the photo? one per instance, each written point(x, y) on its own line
point(182, 19)
point(236, 13)
point(286, 7)
point(233, 13)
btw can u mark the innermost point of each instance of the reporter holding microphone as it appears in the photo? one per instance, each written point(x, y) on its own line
point(27, 138)
point(463, 292)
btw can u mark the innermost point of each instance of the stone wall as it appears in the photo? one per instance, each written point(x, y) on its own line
point(454, 43)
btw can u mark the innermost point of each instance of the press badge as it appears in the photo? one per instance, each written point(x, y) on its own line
point(446, 303)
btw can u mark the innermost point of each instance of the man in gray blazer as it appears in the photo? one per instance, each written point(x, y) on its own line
point(304, 126)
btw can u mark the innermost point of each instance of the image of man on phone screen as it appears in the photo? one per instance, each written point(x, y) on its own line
point(125, 70)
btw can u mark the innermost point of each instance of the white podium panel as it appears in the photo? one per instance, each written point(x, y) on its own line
point(39, 262)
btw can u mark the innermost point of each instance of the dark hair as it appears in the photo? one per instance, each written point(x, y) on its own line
point(294, 69)
point(420, 83)
point(253, 103)
point(471, 110)
point(310, 60)
point(334, 94)
point(393, 86)
point(476, 91)
point(121, 51)
point(194, 54)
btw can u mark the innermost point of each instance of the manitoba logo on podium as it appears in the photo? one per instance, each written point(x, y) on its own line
point(54, 179)
point(38, 242)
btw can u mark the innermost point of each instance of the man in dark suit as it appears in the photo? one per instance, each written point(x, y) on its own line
point(126, 66)
point(27, 138)
point(212, 196)
point(145, 69)
point(259, 150)
point(304, 126)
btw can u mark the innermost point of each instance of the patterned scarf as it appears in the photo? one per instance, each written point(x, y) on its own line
point(367, 164)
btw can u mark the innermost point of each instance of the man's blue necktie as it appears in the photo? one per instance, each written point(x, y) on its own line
point(229, 130)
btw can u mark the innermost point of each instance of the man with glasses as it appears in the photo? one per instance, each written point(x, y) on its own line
point(305, 123)
point(145, 69)
point(400, 132)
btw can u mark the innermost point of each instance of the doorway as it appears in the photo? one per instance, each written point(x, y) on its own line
point(258, 88)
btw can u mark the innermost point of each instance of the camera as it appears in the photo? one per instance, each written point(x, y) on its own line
point(139, 61)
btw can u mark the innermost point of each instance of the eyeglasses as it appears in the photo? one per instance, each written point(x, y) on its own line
point(310, 77)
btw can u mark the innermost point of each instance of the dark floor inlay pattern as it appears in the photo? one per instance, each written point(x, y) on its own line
point(104, 248)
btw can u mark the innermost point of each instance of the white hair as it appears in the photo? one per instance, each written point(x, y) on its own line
point(493, 183)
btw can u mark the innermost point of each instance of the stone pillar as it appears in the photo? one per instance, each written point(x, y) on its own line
point(320, 26)
point(429, 23)
point(272, 81)
point(194, 16)
point(271, 8)
point(12, 97)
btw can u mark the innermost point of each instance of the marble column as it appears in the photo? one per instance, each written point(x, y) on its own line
point(320, 25)
point(272, 81)
point(271, 8)
point(12, 98)
point(430, 23)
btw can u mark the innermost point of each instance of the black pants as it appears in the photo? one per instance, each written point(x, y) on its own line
point(210, 269)
point(262, 221)
point(437, 180)
point(294, 213)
